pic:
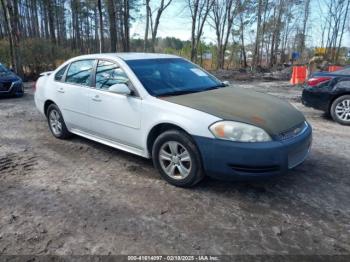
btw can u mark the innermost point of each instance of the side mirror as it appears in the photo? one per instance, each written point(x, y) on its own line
point(12, 70)
point(121, 89)
point(226, 83)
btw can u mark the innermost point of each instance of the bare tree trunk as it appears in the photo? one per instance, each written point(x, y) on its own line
point(155, 23)
point(306, 18)
point(126, 17)
point(10, 33)
point(328, 44)
point(242, 43)
point(50, 17)
point(194, 13)
point(257, 38)
point(223, 14)
point(35, 18)
point(112, 25)
point(99, 4)
point(148, 14)
point(241, 29)
point(262, 35)
point(96, 40)
point(278, 29)
point(342, 29)
point(12, 14)
point(46, 23)
point(199, 12)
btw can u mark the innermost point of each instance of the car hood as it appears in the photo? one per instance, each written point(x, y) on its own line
point(8, 77)
point(236, 104)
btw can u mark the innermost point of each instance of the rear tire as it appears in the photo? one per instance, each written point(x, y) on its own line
point(56, 122)
point(340, 110)
point(177, 159)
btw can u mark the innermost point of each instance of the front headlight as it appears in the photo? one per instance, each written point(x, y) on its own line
point(240, 132)
point(17, 82)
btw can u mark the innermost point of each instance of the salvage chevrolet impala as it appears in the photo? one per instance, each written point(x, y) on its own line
point(166, 108)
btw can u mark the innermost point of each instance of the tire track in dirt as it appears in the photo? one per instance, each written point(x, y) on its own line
point(17, 164)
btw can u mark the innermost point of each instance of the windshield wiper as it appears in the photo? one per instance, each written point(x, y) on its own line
point(184, 92)
point(213, 87)
point(180, 92)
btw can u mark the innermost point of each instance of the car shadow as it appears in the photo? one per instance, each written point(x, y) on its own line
point(318, 175)
point(208, 183)
point(25, 96)
point(327, 116)
point(313, 170)
point(75, 139)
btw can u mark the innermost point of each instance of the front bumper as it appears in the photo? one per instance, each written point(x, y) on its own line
point(13, 89)
point(234, 160)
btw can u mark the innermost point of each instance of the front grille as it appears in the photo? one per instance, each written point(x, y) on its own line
point(4, 87)
point(293, 132)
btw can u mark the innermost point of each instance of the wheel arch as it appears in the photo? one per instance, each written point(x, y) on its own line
point(335, 98)
point(47, 104)
point(159, 129)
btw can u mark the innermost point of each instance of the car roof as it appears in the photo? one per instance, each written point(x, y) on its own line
point(126, 56)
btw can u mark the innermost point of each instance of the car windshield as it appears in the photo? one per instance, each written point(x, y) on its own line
point(172, 76)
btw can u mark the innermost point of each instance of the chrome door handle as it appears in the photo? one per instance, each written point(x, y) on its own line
point(60, 90)
point(96, 98)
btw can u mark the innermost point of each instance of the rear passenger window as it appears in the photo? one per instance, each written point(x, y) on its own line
point(108, 74)
point(59, 75)
point(80, 72)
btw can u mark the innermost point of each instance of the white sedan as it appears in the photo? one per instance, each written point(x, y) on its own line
point(166, 108)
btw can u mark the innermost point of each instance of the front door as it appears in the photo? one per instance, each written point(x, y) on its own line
point(113, 116)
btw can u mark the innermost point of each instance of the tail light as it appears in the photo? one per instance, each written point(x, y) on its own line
point(318, 80)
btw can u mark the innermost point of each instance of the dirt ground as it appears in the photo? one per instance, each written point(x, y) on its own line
point(79, 197)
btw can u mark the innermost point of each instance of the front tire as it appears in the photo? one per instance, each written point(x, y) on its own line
point(56, 122)
point(177, 159)
point(340, 110)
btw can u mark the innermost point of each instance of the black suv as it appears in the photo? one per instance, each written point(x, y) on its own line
point(10, 83)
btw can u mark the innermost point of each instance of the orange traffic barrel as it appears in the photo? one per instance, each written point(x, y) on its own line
point(334, 68)
point(299, 75)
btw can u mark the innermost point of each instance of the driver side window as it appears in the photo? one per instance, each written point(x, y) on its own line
point(108, 74)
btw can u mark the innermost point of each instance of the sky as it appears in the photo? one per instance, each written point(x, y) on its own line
point(176, 22)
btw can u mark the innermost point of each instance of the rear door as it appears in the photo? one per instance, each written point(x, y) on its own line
point(72, 94)
point(114, 116)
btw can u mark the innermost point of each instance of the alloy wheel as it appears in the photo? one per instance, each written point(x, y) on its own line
point(342, 110)
point(175, 160)
point(55, 122)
